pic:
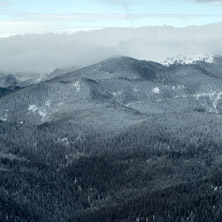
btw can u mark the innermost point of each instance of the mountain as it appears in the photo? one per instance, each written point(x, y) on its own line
point(7, 81)
point(8, 84)
point(59, 72)
point(41, 78)
point(189, 59)
point(141, 86)
point(120, 140)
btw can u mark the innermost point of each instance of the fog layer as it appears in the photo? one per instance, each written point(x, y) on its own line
point(46, 52)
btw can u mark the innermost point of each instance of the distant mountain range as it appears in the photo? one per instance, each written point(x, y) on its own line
point(121, 140)
point(11, 82)
point(140, 86)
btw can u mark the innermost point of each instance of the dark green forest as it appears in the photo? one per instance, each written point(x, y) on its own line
point(165, 169)
point(119, 141)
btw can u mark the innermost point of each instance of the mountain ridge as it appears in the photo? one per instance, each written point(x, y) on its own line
point(103, 142)
point(143, 86)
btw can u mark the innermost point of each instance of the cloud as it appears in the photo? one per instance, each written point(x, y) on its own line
point(209, 1)
point(102, 16)
point(120, 2)
point(3, 2)
point(23, 23)
point(46, 52)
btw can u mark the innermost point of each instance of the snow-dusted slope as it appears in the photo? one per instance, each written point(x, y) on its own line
point(188, 59)
point(121, 82)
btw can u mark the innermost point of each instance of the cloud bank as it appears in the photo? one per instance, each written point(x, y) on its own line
point(209, 1)
point(3, 3)
point(46, 52)
point(120, 2)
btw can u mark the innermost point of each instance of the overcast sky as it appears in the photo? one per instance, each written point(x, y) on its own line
point(58, 16)
point(41, 35)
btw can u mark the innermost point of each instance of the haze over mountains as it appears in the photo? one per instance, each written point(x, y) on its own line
point(41, 54)
point(120, 140)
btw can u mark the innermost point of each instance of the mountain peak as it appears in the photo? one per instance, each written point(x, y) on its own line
point(189, 59)
point(118, 59)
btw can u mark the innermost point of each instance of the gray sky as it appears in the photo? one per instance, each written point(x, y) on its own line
point(46, 52)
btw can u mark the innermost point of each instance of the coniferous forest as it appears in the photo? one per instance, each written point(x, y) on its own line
point(120, 141)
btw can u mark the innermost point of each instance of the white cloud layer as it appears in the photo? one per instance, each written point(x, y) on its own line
point(120, 2)
point(209, 1)
point(3, 3)
point(43, 53)
point(23, 23)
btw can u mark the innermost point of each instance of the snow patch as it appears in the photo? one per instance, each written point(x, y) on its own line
point(214, 97)
point(133, 103)
point(156, 90)
point(48, 103)
point(64, 140)
point(41, 111)
point(77, 86)
point(215, 188)
point(43, 114)
point(178, 87)
point(118, 93)
point(11, 156)
point(32, 108)
point(216, 100)
point(4, 118)
point(60, 104)
point(188, 59)
point(136, 89)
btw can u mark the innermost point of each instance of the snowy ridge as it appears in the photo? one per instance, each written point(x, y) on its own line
point(188, 59)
